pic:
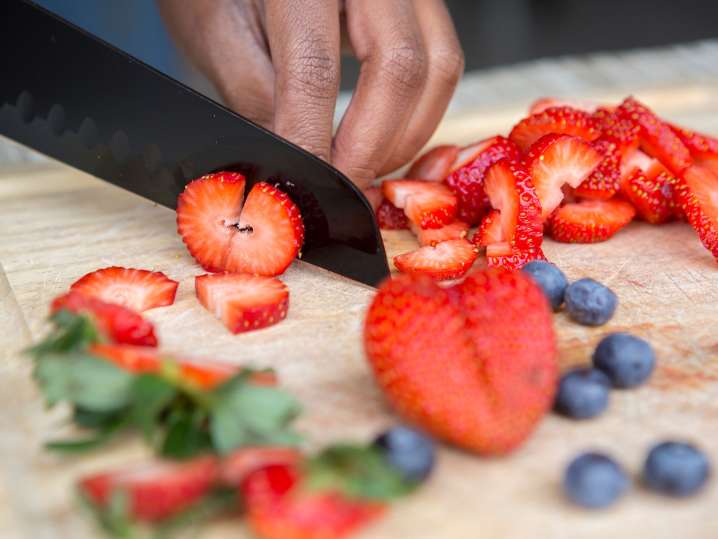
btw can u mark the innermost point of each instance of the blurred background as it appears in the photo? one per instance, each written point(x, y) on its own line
point(492, 32)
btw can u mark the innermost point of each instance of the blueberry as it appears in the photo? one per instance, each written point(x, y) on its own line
point(627, 360)
point(590, 303)
point(551, 280)
point(676, 469)
point(594, 480)
point(408, 451)
point(582, 393)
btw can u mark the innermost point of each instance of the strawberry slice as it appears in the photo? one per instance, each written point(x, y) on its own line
point(651, 194)
point(447, 260)
point(426, 204)
point(203, 373)
point(467, 181)
point(114, 322)
point(490, 231)
point(556, 120)
point(556, 160)
point(615, 128)
point(604, 181)
point(136, 289)
point(511, 192)
point(432, 236)
point(699, 145)
point(500, 258)
point(243, 302)
point(435, 164)
point(390, 217)
point(544, 103)
point(262, 237)
point(589, 221)
point(236, 467)
point(155, 490)
point(657, 138)
point(635, 160)
point(280, 506)
point(696, 191)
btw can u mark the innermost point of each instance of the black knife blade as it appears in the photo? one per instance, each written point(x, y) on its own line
point(69, 95)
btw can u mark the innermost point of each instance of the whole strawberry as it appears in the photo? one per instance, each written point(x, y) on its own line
point(474, 364)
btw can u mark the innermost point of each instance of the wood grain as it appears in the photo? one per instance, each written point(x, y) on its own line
point(57, 224)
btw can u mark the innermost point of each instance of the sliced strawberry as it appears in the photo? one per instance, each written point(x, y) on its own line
point(556, 120)
point(280, 506)
point(657, 138)
point(469, 153)
point(650, 194)
point(390, 217)
point(374, 196)
point(711, 163)
point(156, 490)
point(544, 103)
point(426, 204)
point(510, 191)
point(490, 231)
point(467, 181)
point(114, 322)
point(635, 160)
point(432, 236)
point(512, 261)
point(203, 373)
point(590, 221)
point(262, 238)
point(557, 160)
point(236, 467)
point(136, 289)
point(435, 164)
point(243, 302)
point(696, 191)
point(604, 181)
point(699, 145)
point(447, 260)
point(623, 132)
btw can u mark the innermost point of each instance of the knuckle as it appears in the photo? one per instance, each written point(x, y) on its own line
point(313, 69)
point(405, 65)
point(449, 63)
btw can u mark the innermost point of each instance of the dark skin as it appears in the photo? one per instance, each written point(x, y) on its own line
point(277, 62)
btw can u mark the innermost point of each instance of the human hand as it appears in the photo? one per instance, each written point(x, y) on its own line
point(277, 62)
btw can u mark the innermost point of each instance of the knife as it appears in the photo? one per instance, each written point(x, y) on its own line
point(73, 97)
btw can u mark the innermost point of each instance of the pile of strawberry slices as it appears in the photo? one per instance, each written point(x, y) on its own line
point(577, 171)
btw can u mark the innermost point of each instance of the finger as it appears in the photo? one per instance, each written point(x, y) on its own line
point(224, 40)
point(304, 43)
point(446, 65)
point(387, 41)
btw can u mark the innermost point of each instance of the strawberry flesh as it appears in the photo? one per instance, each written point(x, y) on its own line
point(243, 302)
point(432, 236)
point(589, 221)
point(650, 194)
point(447, 260)
point(490, 231)
point(558, 160)
point(604, 181)
point(426, 204)
point(155, 491)
point(435, 164)
point(136, 289)
point(554, 120)
point(390, 217)
point(696, 191)
point(236, 467)
point(514, 260)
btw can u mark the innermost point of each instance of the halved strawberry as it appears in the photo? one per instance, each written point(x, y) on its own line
point(435, 164)
point(501, 258)
point(154, 490)
point(490, 230)
point(426, 204)
point(390, 217)
point(556, 160)
point(467, 181)
point(236, 467)
point(589, 221)
point(604, 181)
point(114, 322)
point(544, 103)
point(650, 194)
point(432, 236)
point(511, 192)
point(556, 120)
point(657, 138)
point(243, 302)
point(280, 506)
point(262, 237)
point(136, 289)
point(447, 260)
point(696, 190)
point(203, 373)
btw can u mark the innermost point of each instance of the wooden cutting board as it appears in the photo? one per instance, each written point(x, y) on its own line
point(57, 224)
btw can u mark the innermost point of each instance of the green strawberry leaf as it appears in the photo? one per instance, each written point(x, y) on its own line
point(72, 332)
point(92, 419)
point(246, 414)
point(150, 395)
point(82, 380)
point(186, 434)
point(356, 471)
